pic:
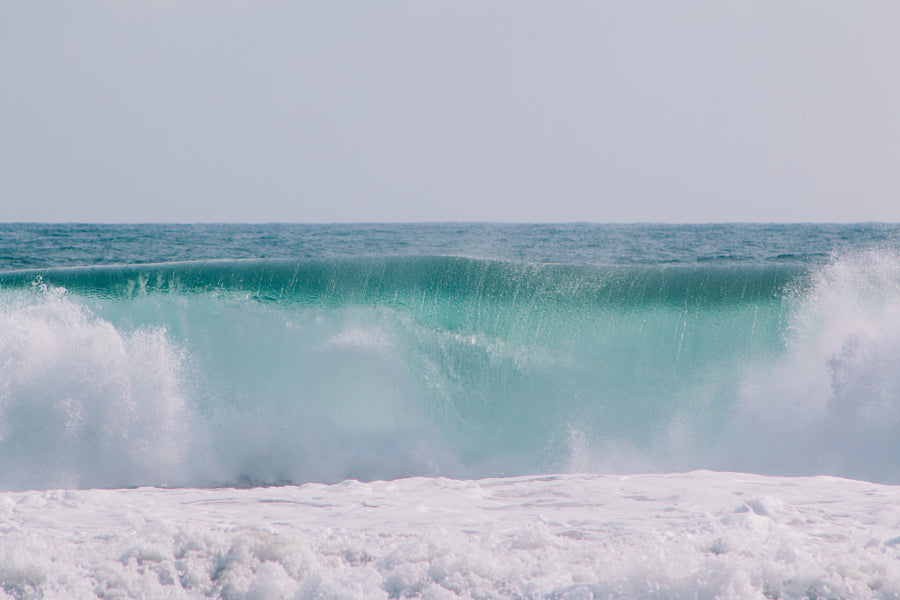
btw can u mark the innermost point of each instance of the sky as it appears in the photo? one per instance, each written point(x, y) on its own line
point(429, 110)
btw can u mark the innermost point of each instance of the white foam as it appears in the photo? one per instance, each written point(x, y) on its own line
point(697, 535)
point(81, 402)
point(830, 404)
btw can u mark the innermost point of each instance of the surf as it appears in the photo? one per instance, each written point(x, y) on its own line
point(249, 372)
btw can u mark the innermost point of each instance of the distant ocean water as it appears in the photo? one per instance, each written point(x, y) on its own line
point(501, 367)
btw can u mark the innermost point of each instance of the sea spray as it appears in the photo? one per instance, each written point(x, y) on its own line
point(82, 403)
point(831, 402)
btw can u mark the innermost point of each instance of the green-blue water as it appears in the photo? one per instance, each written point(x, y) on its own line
point(218, 354)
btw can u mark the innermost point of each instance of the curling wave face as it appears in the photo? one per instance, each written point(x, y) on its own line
point(268, 371)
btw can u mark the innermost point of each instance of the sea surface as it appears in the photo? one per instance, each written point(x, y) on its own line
point(450, 411)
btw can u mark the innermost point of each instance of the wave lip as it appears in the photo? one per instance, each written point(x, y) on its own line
point(382, 279)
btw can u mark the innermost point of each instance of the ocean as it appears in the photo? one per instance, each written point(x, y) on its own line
point(450, 411)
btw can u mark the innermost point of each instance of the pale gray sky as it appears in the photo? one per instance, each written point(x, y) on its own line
point(426, 110)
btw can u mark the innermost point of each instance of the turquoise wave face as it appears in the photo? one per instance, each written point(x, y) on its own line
point(238, 372)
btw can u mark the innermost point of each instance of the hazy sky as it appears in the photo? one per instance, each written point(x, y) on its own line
point(424, 110)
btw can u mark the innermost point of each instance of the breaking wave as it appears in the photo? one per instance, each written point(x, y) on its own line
point(258, 372)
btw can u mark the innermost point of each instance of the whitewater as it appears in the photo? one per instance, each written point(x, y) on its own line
point(449, 410)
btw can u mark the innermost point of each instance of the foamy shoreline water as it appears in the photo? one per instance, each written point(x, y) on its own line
point(692, 535)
